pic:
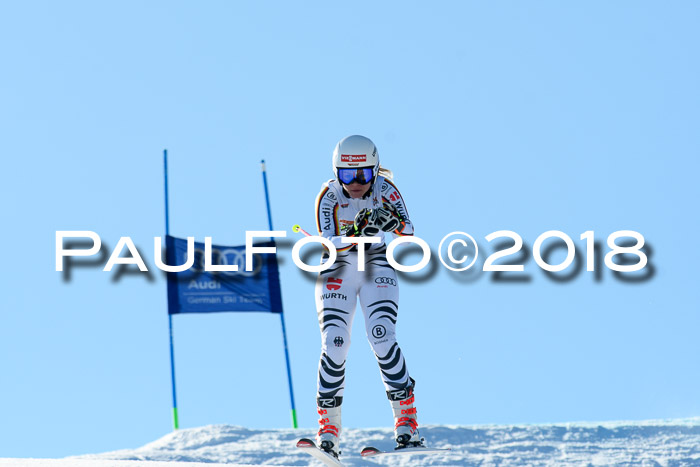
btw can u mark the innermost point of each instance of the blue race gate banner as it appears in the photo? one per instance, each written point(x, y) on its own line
point(200, 291)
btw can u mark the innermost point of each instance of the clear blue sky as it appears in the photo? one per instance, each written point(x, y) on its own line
point(522, 116)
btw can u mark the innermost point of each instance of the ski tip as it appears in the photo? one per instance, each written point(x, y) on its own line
point(369, 451)
point(305, 443)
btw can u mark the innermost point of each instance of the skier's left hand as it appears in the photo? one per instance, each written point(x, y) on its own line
point(387, 218)
point(392, 209)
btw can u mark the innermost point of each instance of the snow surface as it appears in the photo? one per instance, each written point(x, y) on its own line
point(650, 443)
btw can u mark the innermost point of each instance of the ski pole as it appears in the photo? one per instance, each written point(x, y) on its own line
point(297, 228)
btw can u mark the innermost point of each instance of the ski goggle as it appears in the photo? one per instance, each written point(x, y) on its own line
point(361, 175)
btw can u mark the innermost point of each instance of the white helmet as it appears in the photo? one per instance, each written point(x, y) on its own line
point(353, 152)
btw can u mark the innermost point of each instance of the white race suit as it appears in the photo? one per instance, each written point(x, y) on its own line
point(339, 287)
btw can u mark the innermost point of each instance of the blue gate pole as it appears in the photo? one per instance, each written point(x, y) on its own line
point(284, 329)
point(176, 423)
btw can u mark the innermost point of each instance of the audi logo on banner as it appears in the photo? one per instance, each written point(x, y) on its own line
point(385, 280)
point(227, 257)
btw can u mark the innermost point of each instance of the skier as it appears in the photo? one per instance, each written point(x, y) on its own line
point(361, 201)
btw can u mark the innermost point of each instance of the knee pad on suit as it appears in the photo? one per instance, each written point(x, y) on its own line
point(336, 343)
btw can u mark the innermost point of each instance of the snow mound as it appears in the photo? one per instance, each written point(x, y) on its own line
point(653, 443)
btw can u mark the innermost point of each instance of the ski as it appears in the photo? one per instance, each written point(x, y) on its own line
point(371, 451)
point(310, 448)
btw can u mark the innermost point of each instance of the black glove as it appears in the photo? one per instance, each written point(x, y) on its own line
point(391, 208)
point(365, 224)
point(388, 218)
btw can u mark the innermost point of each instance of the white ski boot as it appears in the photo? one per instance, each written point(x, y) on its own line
point(405, 417)
point(328, 436)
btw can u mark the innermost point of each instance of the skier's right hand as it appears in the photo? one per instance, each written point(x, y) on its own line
point(365, 224)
